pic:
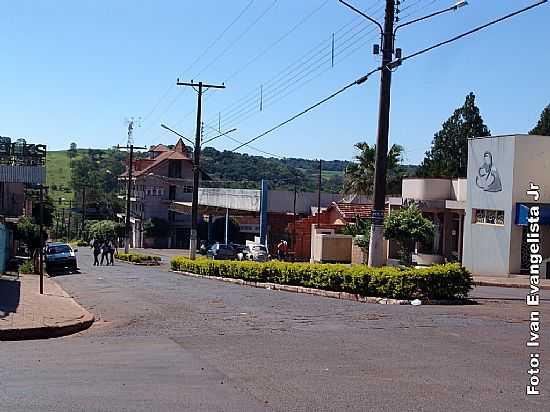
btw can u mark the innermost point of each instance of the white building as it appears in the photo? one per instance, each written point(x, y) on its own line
point(500, 169)
point(481, 220)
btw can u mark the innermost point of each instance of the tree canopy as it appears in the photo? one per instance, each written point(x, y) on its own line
point(106, 229)
point(359, 175)
point(543, 126)
point(448, 155)
point(98, 171)
point(407, 226)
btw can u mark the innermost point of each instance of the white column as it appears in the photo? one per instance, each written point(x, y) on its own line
point(226, 225)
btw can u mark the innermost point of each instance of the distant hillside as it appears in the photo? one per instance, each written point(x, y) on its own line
point(234, 169)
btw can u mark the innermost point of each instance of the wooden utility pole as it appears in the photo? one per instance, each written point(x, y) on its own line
point(196, 162)
point(319, 194)
point(128, 225)
point(41, 225)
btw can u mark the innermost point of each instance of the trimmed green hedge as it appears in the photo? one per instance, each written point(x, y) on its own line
point(449, 281)
point(137, 257)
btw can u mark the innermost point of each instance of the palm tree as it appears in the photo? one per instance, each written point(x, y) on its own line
point(359, 176)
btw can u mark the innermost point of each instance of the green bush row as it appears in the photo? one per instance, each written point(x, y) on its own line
point(137, 257)
point(448, 281)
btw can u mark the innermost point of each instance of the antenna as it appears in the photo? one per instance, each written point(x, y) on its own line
point(132, 123)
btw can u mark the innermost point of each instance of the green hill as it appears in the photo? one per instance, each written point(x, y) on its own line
point(58, 175)
point(234, 169)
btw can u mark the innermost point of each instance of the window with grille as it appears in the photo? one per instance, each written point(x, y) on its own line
point(488, 217)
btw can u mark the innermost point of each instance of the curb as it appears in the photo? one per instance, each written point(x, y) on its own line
point(138, 264)
point(50, 331)
point(508, 285)
point(300, 289)
point(46, 332)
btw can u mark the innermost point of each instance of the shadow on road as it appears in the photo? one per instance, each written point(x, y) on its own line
point(10, 293)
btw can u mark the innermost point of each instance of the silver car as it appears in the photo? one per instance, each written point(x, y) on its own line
point(255, 253)
point(60, 256)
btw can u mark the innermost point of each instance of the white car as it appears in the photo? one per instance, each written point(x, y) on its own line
point(255, 253)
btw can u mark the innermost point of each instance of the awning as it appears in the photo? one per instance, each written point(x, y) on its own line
point(522, 213)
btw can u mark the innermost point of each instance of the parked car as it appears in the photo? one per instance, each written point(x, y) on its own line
point(255, 252)
point(59, 256)
point(220, 251)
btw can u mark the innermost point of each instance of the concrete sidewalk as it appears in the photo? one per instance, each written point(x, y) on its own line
point(511, 281)
point(25, 314)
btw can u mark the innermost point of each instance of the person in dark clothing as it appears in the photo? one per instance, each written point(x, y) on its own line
point(105, 252)
point(96, 246)
point(111, 252)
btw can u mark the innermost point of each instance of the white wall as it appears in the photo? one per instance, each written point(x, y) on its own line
point(426, 189)
point(532, 160)
point(486, 249)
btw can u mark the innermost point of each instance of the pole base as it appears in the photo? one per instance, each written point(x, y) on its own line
point(377, 256)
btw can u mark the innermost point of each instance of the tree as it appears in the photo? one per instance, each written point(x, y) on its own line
point(28, 232)
point(72, 151)
point(106, 229)
point(98, 171)
point(543, 126)
point(48, 210)
point(360, 231)
point(359, 176)
point(448, 155)
point(407, 226)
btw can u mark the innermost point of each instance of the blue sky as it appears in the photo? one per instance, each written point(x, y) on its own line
point(74, 71)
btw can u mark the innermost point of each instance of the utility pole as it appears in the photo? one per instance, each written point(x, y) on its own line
point(41, 225)
point(319, 194)
point(294, 220)
point(387, 33)
point(128, 222)
point(376, 251)
point(196, 162)
point(69, 220)
point(83, 212)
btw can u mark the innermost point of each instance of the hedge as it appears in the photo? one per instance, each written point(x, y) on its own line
point(448, 281)
point(137, 258)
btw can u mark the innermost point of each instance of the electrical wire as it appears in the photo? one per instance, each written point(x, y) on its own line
point(303, 112)
point(208, 48)
point(413, 55)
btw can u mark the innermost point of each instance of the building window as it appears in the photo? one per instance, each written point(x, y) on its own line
point(488, 217)
point(174, 168)
point(172, 193)
point(188, 189)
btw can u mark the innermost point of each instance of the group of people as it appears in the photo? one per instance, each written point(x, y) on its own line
point(105, 248)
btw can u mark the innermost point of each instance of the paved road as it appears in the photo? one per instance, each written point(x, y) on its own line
point(167, 342)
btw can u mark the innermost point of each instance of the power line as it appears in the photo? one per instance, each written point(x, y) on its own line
point(319, 103)
point(243, 33)
point(474, 30)
point(248, 108)
point(208, 48)
point(391, 65)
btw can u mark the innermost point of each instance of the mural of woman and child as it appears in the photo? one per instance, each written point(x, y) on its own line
point(488, 178)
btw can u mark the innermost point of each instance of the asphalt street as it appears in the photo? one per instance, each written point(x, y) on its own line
point(167, 342)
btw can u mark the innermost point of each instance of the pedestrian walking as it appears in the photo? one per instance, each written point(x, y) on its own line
point(96, 246)
point(105, 252)
point(112, 251)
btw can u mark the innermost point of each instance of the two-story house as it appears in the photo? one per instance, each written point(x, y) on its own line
point(163, 176)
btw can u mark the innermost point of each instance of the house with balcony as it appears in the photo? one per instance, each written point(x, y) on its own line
point(163, 176)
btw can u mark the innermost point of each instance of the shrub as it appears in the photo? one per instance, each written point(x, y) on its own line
point(26, 267)
point(137, 258)
point(449, 281)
